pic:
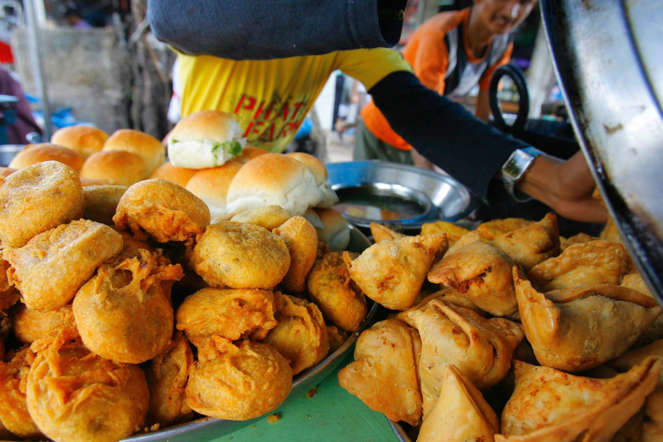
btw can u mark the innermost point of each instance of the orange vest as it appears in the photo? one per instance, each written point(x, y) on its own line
point(428, 54)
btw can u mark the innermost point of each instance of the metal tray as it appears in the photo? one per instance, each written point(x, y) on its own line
point(401, 196)
point(208, 427)
point(607, 60)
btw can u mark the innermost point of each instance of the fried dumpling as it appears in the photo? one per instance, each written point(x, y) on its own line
point(551, 405)
point(531, 244)
point(460, 414)
point(231, 313)
point(652, 430)
point(54, 264)
point(582, 265)
point(480, 348)
point(240, 256)
point(381, 232)
point(655, 330)
point(576, 330)
point(454, 232)
point(480, 271)
point(14, 414)
point(167, 375)
point(383, 374)
point(300, 333)
point(578, 238)
point(237, 382)
point(75, 395)
point(30, 325)
point(124, 312)
point(302, 240)
point(330, 287)
point(636, 356)
point(392, 272)
point(489, 230)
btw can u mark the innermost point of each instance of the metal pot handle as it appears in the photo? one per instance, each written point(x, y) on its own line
point(523, 98)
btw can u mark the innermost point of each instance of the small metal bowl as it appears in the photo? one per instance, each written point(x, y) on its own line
point(8, 152)
point(401, 196)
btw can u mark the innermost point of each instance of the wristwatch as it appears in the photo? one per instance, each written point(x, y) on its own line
point(515, 168)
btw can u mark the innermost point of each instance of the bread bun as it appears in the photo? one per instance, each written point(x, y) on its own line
point(115, 167)
point(84, 139)
point(321, 176)
point(336, 231)
point(149, 148)
point(37, 153)
point(174, 174)
point(211, 185)
point(273, 179)
point(249, 153)
point(205, 139)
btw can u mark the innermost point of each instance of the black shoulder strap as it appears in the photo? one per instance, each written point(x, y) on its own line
point(452, 80)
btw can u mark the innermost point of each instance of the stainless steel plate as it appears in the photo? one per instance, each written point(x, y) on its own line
point(395, 194)
point(8, 152)
point(208, 428)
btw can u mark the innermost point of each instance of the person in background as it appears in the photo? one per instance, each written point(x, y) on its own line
point(450, 53)
point(272, 88)
point(73, 17)
point(24, 123)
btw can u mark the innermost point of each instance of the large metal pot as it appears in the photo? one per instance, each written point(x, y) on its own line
point(608, 60)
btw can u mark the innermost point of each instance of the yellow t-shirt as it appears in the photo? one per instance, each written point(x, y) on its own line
point(271, 98)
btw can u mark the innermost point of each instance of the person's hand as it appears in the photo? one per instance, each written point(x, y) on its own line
point(564, 186)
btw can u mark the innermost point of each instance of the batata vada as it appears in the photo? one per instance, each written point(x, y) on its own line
point(31, 325)
point(268, 217)
point(53, 265)
point(124, 313)
point(302, 240)
point(101, 202)
point(164, 210)
point(41, 196)
point(13, 408)
point(74, 395)
point(301, 333)
point(8, 294)
point(230, 313)
point(330, 287)
point(240, 256)
point(166, 375)
point(241, 382)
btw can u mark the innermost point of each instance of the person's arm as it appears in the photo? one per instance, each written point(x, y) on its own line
point(473, 152)
point(443, 131)
point(482, 109)
point(566, 186)
point(254, 29)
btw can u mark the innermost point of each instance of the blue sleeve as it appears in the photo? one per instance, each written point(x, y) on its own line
point(443, 131)
point(257, 29)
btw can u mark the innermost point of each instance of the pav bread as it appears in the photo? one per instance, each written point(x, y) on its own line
point(174, 174)
point(273, 179)
point(211, 186)
point(145, 145)
point(37, 153)
point(321, 177)
point(81, 138)
point(204, 139)
point(115, 167)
